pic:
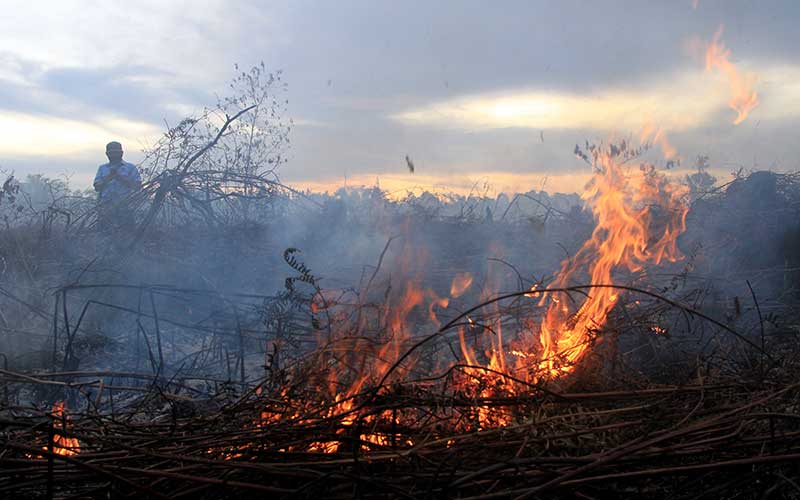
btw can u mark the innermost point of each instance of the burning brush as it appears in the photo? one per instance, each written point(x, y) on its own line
point(62, 445)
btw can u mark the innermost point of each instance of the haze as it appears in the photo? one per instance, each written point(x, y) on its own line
point(472, 91)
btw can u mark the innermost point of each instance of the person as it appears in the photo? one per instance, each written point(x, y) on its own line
point(115, 182)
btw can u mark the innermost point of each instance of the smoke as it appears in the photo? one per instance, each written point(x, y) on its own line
point(205, 290)
point(191, 298)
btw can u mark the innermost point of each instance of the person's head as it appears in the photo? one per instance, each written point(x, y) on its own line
point(114, 151)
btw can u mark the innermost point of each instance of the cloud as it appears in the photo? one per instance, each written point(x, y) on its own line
point(464, 89)
point(74, 73)
point(71, 111)
point(186, 37)
point(27, 134)
point(605, 110)
point(136, 92)
point(685, 101)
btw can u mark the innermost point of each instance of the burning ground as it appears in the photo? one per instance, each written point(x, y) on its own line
point(636, 340)
point(245, 339)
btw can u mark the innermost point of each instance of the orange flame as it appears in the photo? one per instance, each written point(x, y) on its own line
point(651, 134)
point(626, 236)
point(62, 445)
point(372, 361)
point(461, 284)
point(486, 358)
point(743, 96)
point(639, 218)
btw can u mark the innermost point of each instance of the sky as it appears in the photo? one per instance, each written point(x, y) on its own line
point(475, 92)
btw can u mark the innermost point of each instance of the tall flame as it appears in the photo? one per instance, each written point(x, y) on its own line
point(743, 95)
point(639, 218)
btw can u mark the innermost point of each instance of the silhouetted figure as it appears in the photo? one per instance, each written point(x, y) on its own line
point(115, 182)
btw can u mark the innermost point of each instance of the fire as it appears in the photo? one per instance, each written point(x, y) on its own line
point(486, 357)
point(461, 284)
point(358, 360)
point(639, 218)
point(651, 134)
point(62, 445)
point(487, 383)
point(743, 96)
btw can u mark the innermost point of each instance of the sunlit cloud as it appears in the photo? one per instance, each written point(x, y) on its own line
point(35, 135)
point(674, 103)
point(459, 100)
point(619, 109)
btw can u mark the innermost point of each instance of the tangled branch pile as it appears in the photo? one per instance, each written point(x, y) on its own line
point(711, 438)
point(726, 427)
